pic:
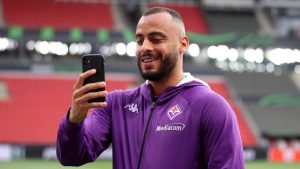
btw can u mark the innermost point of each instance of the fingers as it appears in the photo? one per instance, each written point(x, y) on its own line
point(80, 106)
point(82, 77)
point(89, 87)
point(81, 99)
point(82, 94)
point(96, 104)
point(87, 105)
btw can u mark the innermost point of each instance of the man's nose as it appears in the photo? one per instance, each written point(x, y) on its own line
point(147, 46)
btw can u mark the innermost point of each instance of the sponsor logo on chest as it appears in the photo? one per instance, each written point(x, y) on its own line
point(172, 113)
point(171, 127)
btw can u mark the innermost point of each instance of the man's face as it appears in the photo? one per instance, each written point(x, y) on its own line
point(157, 49)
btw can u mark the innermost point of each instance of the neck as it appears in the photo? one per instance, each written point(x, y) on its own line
point(172, 79)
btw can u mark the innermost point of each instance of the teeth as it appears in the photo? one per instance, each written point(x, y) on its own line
point(147, 60)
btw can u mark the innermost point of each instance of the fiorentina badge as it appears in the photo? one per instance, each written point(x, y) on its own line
point(173, 112)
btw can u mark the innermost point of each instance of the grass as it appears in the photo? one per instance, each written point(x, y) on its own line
point(52, 164)
point(102, 164)
point(269, 165)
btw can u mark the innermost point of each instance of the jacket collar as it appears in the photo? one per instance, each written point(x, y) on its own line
point(187, 82)
point(187, 77)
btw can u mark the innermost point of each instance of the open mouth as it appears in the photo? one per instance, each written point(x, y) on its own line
point(149, 59)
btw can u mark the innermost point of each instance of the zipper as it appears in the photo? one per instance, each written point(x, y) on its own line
point(145, 133)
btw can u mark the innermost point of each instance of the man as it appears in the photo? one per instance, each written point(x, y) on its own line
point(172, 121)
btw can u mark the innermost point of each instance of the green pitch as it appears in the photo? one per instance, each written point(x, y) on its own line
point(101, 164)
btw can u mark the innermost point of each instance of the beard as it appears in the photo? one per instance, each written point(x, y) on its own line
point(167, 64)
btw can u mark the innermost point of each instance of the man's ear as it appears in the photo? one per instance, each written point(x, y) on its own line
point(184, 43)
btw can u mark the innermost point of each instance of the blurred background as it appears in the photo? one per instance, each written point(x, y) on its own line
point(247, 50)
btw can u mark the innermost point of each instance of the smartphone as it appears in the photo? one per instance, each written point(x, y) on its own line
point(94, 61)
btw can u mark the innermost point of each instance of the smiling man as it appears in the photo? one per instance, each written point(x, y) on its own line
point(172, 121)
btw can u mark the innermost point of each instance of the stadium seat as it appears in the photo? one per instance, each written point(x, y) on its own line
point(59, 15)
point(36, 105)
point(192, 15)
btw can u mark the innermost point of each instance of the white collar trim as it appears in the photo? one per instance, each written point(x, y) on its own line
point(187, 77)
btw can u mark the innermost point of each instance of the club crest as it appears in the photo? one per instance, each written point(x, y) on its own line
point(173, 112)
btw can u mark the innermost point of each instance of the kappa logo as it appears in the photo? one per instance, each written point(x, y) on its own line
point(132, 107)
point(173, 112)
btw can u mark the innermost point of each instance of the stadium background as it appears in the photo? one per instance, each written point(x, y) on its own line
point(247, 50)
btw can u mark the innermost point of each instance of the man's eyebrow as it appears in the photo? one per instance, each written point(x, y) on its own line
point(151, 34)
point(157, 33)
point(138, 35)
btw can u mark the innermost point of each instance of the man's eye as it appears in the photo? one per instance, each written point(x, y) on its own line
point(138, 41)
point(156, 40)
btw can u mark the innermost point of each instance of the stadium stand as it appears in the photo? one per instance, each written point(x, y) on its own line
point(272, 100)
point(36, 104)
point(228, 19)
point(250, 84)
point(60, 15)
point(192, 15)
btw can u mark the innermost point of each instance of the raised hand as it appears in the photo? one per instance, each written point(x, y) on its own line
point(80, 97)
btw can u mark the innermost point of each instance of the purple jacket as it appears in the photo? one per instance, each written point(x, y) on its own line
point(187, 127)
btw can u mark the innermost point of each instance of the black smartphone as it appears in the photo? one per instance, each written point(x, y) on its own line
point(94, 61)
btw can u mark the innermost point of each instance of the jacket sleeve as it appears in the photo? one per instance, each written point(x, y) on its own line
point(221, 136)
point(78, 144)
